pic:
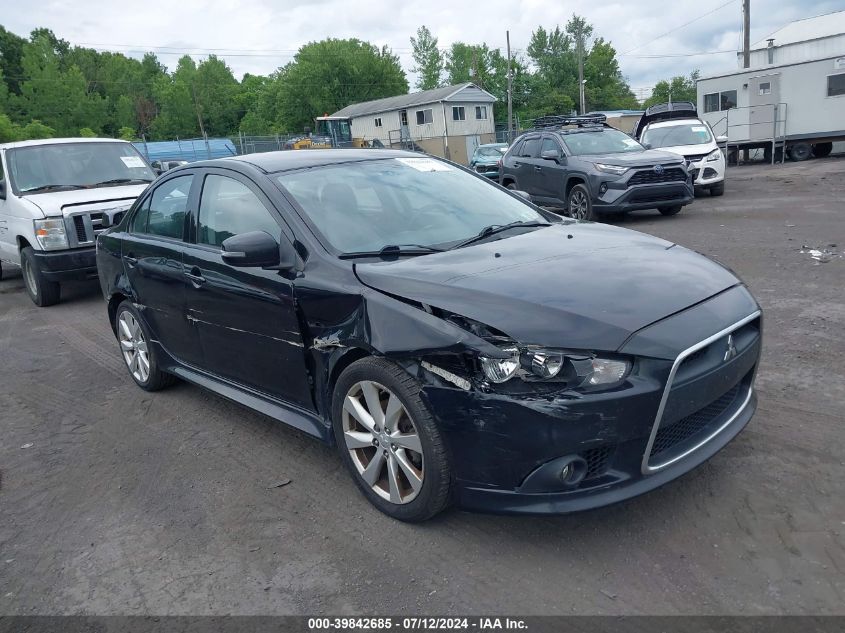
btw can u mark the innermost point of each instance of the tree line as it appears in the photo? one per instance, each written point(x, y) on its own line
point(51, 88)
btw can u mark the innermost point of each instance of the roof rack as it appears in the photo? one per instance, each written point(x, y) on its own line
point(555, 121)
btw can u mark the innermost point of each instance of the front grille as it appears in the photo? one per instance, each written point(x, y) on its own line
point(694, 158)
point(651, 177)
point(79, 225)
point(693, 425)
point(658, 197)
point(598, 460)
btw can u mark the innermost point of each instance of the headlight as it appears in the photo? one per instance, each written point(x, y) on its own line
point(715, 155)
point(501, 369)
point(50, 234)
point(575, 370)
point(611, 169)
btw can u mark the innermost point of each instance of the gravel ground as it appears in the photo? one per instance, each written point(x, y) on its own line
point(116, 501)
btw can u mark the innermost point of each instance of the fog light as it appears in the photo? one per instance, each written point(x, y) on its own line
point(565, 472)
point(603, 188)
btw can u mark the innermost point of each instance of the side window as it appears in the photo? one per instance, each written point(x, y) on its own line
point(516, 148)
point(228, 207)
point(138, 224)
point(836, 85)
point(549, 144)
point(530, 148)
point(711, 102)
point(168, 206)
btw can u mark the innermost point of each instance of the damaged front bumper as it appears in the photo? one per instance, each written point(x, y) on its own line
point(510, 452)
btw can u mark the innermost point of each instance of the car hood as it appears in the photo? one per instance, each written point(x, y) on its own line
point(574, 285)
point(487, 160)
point(54, 203)
point(646, 158)
point(691, 150)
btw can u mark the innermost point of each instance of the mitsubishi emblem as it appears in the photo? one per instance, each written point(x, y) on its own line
point(730, 352)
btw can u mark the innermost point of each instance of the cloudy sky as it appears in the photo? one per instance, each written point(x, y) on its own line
point(655, 38)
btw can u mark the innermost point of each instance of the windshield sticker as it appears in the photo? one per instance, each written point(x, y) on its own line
point(425, 164)
point(132, 161)
point(699, 128)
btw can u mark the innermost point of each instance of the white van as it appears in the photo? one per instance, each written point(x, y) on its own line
point(675, 127)
point(56, 195)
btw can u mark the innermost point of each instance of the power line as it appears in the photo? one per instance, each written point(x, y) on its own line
point(678, 28)
point(699, 54)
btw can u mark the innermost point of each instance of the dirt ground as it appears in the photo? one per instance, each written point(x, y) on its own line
point(116, 501)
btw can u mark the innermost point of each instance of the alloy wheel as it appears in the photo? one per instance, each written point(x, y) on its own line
point(578, 205)
point(134, 346)
point(383, 442)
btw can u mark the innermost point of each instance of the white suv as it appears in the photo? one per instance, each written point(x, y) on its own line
point(56, 195)
point(675, 127)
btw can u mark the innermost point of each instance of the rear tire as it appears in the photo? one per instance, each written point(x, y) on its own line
point(140, 357)
point(822, 150)
point(579, 206)
point(511, 186)
point(42, 291)
point(718, 189)
point(671, 210)
point(408, 484)
point(800, 151)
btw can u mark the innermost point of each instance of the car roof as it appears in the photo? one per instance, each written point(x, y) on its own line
point(55, 141)
point(271, 162)
point(492, 145)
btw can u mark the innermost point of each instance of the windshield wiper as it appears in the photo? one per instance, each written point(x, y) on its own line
point(121, 181)
point(487, 231)
point(394, 250)
point(51, 187)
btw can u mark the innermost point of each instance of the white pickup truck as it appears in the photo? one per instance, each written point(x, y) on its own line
point(56, 195)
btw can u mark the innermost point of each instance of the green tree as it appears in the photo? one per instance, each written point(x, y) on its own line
point(216, 93)
point(606, 88)
point(428, 59)
point(87, 132)
point(470, 62)
point(675, 89)
point(11, 53)
point(35, 129)
point(328, 75)
point(177, 110)
point(8, 131)
point(126, 134)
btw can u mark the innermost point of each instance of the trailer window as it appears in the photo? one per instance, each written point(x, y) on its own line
point(711, 102)
point(836, 85)
point(728, 99)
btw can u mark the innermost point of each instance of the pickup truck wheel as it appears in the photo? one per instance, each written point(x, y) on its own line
point(42, 291)
point(671, 210)
point(578, 205)
point(389, 440)
point(140, 357)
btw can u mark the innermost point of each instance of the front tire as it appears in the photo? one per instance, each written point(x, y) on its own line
point(671, 210)
point(42, 291)
point(579, 206)
point(718, 189)
point(389, 440)
point(139, 355)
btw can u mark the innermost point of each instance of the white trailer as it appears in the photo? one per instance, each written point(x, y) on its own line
point(799, 106)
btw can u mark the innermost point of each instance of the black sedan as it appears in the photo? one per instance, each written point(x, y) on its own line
point(457, 343)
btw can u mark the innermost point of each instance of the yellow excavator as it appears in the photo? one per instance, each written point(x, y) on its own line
point(330, 131)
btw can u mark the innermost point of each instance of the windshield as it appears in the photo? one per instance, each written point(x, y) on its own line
point(676, 135)
point(601, 141)
point(75, 166)
point(367, 205)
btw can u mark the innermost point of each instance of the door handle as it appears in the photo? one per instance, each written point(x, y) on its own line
point(130, 260)
point(196, 277)
point(537, 168)
point(517, 164)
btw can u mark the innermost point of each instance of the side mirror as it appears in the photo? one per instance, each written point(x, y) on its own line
point(522, 194)
point(722, 139)
point(258, 249)
point(550, 154)
point(2, 189)
point(647, 145)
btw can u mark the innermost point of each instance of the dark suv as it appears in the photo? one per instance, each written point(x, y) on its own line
point(589, 168)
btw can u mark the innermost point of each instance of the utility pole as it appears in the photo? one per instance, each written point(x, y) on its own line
point(746, 33)
point(510, 88)
point(579, 40)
